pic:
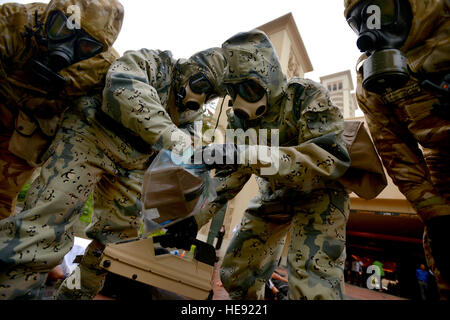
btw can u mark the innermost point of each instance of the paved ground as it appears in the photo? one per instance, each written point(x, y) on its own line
point(357, 293)
point(352, 292)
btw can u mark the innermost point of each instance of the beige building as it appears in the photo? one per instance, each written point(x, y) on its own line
point(341, 90)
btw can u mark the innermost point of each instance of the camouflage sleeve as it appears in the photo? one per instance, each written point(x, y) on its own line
point(228, 187)
point(402, 158)
point(130, 98)
point(320, 154)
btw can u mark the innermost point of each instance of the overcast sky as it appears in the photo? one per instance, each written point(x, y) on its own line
point(185, 27)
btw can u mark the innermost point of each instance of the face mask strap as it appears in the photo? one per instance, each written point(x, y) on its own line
point(36, 31)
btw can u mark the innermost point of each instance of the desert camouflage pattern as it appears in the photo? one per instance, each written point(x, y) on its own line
point(20, 93)
point(412, 139)
point(303, 197)
point(316, 249)
point(84, 158)
point(138, 89)
point(91, 155)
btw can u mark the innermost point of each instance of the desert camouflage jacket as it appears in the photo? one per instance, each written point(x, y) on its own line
point(139, 94)
point(311, 154)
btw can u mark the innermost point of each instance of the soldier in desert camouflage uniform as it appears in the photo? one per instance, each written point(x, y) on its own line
point(302, 197)
point(32, 103)
point(409, 121)
point(104, 146)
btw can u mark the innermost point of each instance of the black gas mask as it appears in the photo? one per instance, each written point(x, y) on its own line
point(195, 93)
point(66, 45)
point(382, 27)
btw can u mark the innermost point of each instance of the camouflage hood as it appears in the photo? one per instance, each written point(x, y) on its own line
point(431, 23)
point(210, 62)
point(251, 55)
point(81, 77)
point(102, 19)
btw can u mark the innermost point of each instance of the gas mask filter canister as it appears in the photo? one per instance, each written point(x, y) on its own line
point(382, 27)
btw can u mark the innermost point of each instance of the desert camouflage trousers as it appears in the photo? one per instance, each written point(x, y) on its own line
point(316, 253)
point(83, 158)
point(14, 174)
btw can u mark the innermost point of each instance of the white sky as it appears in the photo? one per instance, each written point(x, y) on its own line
point(185, 27)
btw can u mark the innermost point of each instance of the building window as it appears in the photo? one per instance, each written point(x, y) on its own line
point(334, 87)
point(340, 85)
point(329, 87)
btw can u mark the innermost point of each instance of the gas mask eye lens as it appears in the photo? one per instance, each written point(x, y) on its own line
point(192, 105)
point(250, 91)
point(261, 110)
point(88, 48)
point(241, 114)
point(388, 11)
point(57, 27)
point(353, 24)
point(200, 84)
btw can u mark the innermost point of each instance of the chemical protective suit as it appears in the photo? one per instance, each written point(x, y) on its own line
point(104, 146)
point(299, 194)
point(35, 89)
point(407, 110)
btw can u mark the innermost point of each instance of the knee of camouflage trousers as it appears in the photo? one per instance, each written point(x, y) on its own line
point(30, 246)
point(251, 257)
point(86, 282)
point(316, 254)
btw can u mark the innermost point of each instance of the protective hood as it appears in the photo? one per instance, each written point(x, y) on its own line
point(81, 77)
point(210, 62)
point(428, 17)
point(251, 56)
point(102, 19)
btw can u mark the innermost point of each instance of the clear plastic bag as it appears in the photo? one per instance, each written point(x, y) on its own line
point(173, 191)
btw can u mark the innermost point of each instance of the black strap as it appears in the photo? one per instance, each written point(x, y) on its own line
point(130, 137)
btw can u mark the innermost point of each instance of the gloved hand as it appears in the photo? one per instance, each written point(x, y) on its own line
point(180, 235)
point(437, 229)
point(216, 156)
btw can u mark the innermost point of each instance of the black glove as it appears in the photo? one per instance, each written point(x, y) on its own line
point(180, 235)
point(216, 156)
point(437, 229)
